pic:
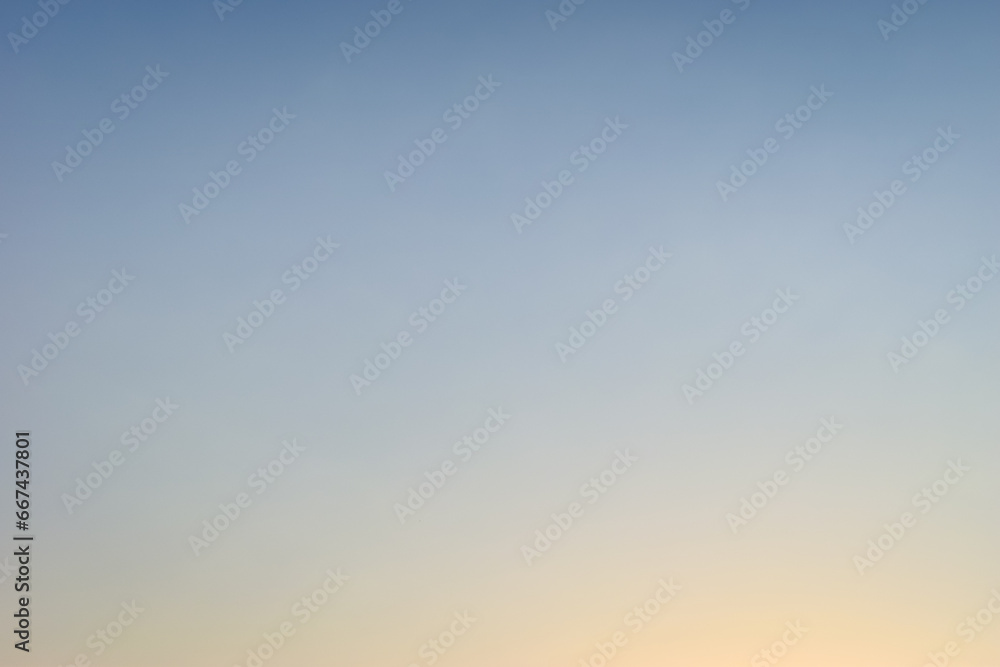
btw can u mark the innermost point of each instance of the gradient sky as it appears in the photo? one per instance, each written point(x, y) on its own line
point(495, 346)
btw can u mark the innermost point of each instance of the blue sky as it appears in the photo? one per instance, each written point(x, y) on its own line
point(656, 185)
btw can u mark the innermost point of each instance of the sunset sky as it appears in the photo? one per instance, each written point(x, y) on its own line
point(520, 307)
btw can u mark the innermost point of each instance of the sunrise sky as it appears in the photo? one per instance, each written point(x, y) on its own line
point(287, 137)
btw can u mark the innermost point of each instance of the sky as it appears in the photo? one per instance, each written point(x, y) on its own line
point(701, 290)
